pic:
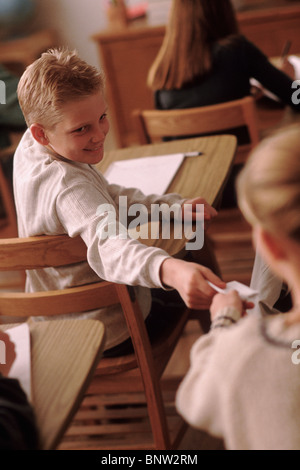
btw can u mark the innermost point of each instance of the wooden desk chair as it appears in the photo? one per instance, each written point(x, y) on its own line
point(135, 378)
point(154, 125)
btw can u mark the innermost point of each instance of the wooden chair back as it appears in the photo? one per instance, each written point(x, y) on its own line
point(148, 361)
point(154, 125)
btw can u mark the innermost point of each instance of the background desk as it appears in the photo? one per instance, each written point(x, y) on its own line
point(126, 55)
point(64, 355)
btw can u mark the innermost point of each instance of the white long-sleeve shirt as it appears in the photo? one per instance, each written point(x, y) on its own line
point(54, 196)
point(243, 384)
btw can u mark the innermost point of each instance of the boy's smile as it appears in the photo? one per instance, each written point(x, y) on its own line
point(81, 133)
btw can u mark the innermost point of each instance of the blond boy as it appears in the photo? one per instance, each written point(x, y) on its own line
point(58, 190)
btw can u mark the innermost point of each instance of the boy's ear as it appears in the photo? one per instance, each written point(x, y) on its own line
point(38, 134)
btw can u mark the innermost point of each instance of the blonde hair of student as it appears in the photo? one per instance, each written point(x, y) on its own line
point(269, 185)
point(193, 27)
point(57, 77)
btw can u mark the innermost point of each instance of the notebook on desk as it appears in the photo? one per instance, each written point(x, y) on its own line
point(152, 175)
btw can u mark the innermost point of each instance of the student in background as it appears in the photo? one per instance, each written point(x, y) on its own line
point(204, 60)
point(17, 421)
point(244, 382)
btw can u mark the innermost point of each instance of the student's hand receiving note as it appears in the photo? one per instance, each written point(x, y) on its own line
point(235, 295)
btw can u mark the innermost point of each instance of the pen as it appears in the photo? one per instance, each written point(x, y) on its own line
point(192, 154)
point(285, 50)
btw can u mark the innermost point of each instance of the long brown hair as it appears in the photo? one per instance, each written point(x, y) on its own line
point(193, 27)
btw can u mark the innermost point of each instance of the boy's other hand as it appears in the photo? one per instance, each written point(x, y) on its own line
point(190, 210)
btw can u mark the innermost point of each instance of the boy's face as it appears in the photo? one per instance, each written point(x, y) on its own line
point(80, 135)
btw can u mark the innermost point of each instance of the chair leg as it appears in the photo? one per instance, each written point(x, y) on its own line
point(147, 369)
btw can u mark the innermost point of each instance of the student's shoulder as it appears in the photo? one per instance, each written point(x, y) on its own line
point(236, 43)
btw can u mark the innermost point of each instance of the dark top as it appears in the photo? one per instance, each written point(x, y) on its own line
point(17, 421)
point(233, 65)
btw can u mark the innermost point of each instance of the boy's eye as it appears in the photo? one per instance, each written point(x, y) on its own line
point(103, 117)
point(80, 130)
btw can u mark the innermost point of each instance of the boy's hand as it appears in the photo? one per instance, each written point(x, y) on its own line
point(190, 210)
point(189, 279)
point(230, 299)
point(9, 355)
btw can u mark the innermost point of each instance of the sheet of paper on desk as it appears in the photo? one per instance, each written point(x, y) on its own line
point(21, 368)
point(152, 175)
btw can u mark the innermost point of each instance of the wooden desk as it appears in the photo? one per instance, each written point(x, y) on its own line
point(127, 54)
point(64, 355)
point(203, 176)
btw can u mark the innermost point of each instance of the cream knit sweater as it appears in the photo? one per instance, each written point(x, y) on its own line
point(244, 383)
point(56, 197)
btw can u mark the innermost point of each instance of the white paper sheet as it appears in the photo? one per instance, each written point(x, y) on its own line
point(152, 175)
point(244, 291)
point(21, 368)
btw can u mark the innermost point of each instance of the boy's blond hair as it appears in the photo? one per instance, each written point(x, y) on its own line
point(269, 185)
point(57, 77)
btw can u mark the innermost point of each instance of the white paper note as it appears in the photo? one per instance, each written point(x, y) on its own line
point(244, 291)
point(21, 368)
point(152, 175)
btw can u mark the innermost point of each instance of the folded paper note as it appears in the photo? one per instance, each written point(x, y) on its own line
point(244, 291)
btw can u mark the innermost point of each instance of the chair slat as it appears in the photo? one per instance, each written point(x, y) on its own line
point(40, 252)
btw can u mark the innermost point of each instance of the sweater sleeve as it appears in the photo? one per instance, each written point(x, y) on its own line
point(87, 210)
point(18, 429)
point(135, 196)
point(259, 67)
point(199, 398)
